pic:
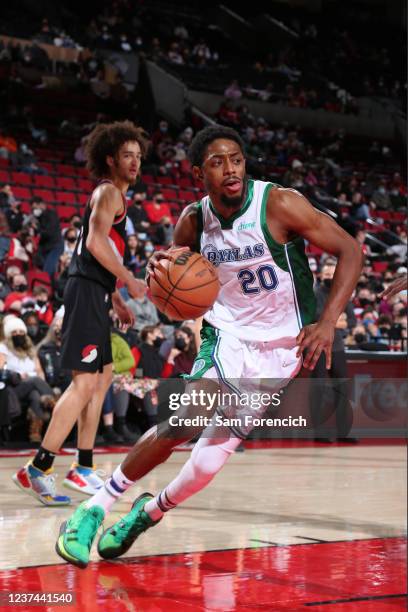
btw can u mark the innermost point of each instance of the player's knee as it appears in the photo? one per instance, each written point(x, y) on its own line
point(86, 384)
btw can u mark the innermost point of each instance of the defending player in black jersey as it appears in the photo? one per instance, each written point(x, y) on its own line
point(114, 154)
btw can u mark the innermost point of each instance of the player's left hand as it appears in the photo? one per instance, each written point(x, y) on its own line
point(124, 314)
point(316, 339)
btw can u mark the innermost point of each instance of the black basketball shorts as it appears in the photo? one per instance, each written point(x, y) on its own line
point(86, 343)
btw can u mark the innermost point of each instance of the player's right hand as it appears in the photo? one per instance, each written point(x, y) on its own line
point(136, 287)
point(398, 285)
point(158, 255)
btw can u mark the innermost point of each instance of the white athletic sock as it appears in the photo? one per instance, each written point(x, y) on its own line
point(113, 488)
point(207, 458)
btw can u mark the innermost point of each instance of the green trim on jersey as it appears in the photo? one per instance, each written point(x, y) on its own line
point(291, 258)
point(204, 359)
point(227, 223)
point(200, 225)
point(302, 279)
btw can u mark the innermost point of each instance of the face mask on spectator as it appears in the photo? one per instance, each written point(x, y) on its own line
point(384, 331)
point(32, 330)
point(157, 342)
point(149, 250)
point(37, 212)
point(22, 287)
point(71, 239)
point(364, 302)
point(180, 344)
point(327, 282)
point(359, 338)
point(41, 303)
point(18, 341)
point(77, 224)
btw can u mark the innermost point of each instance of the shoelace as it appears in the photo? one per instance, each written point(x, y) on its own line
point(83, 529)
point(49, 482)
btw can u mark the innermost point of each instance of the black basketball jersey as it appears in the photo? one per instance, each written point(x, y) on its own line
point(84, 264)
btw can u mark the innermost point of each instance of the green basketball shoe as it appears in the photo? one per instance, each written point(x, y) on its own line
point(116, 540)
point(77, 534)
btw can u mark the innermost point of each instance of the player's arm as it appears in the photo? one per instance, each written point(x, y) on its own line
point(184, 238)
point(298, 216)
point(106, 204)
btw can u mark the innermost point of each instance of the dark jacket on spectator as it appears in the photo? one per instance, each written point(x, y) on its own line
point(322, 293)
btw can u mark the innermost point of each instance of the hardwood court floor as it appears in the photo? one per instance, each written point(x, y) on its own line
point(278, 529)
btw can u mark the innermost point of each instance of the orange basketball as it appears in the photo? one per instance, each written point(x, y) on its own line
point(184, 287)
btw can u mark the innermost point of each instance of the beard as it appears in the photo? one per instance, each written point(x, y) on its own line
point(235, 202)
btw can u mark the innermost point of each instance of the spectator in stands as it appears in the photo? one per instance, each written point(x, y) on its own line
point(51, 244)
point(6, 197)
point(160, 133)
point(61, 278)
point(137, 213)
point(135, 258)
point(157, 209)
point(360, 210)
point(18, 355)
point(10, 247)
point(233, 91)
point(43, 306)
point(380, 198)
point(49, 354)
point(7, 284)
point(183, 354)
point(145, 312)
point(165, 232)
point(75, 223)
point(35, 329)
point(19, 291)
point(14, 216)
point(70, 238)
point(361, 237)
point(8, 147)
point(151, 362)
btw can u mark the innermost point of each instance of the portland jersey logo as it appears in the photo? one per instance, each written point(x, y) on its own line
point(89, 353)
point(218, 256)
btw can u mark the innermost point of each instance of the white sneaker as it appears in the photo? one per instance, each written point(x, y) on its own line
point(84, 479)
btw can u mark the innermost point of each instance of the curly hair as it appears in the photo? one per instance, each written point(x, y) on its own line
point(106, 140)
point(206, 136)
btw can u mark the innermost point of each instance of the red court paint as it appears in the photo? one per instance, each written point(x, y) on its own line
point(359, 575)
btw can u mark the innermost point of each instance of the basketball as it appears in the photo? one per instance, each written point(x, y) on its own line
point(184, 287)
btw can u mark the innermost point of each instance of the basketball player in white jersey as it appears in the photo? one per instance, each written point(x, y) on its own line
point(259, 327)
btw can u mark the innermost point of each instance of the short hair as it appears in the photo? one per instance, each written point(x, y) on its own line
point(106, 140)
point(205, 137)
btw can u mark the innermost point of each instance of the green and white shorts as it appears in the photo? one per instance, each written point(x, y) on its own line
point(244, 367)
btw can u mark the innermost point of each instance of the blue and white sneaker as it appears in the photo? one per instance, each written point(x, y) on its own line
point(40, 485)
point(84, 479)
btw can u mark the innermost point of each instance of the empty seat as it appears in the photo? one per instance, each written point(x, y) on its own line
point(187, 196)
point(65, 182)
point(22, 193)
point(4, 176)
point(169, 194)
point(85, 185)
point(66, 196)
point(66, 169)
point(44, 194)
point(65, 212)
point(44, 180)
point(21, 178)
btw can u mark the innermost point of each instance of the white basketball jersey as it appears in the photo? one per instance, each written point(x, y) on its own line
point(266, 288)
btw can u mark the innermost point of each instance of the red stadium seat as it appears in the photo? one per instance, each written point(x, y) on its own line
point(5, 176)
point(66, 169)
point(22, 193)
point(44, 180)
point(65, 212)
point(147, 178)
point(85, 185)
point(65, 182)
point(380, 266)
point(187, 196)
point(45, 194)
point(21, 178)
point(81, 171)
point(49, 166)
point(68, 197)
point(164, 180)
point(169, 194)
point(38, 277)
point(185, 182)
point(83, 198)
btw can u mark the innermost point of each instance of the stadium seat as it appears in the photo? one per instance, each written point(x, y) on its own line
point(68, 197)
point(185, 182)
point(147, 178)
point(187, 196)
point(65, 182)
point(21, 178)
point(5, 176)
point(164, 180)
point(22, 193)
point(66, 169)
point(45, 194)
point(85, 185)
point(169, 194)
point(380, 266)
point(65, 212)
point(38, 277)
point(44, 180)
point(83, 198)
